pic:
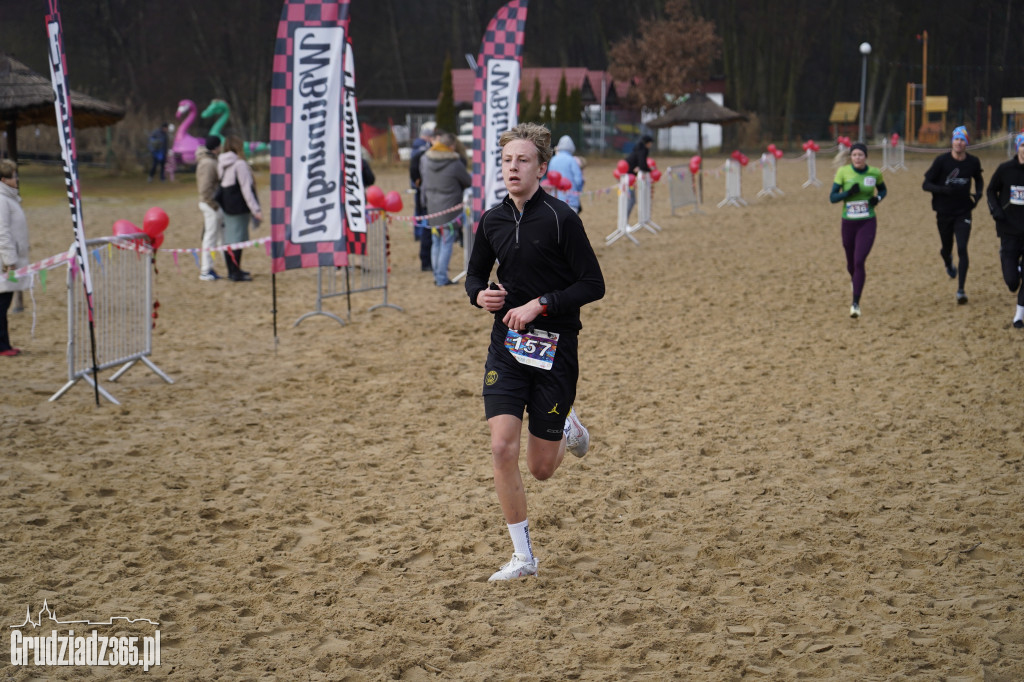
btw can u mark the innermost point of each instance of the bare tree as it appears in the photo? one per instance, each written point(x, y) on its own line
point(668, 56)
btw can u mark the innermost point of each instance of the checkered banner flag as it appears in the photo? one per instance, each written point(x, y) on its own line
point(318, 215)
point(496, 101)
point(69, 153)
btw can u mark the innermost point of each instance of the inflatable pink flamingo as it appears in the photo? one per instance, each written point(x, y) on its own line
point(185, 145)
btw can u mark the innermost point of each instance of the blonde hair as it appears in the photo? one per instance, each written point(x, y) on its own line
point(8, 169)
point(531, 132)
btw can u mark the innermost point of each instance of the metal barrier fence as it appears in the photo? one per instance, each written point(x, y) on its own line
point(364, 273)
point(122, 279)
point(893, 156)
point(682, 189)
point(812, 170)
point(622, 221)
point(733, 185)
point(644, 188)
point(468, 232)
point(769, 177)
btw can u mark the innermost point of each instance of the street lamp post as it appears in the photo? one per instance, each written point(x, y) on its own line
point(865, 49)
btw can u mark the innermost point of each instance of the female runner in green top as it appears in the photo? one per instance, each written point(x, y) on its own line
point(860, 187)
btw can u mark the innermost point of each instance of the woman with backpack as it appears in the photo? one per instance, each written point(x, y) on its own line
point(237, 197)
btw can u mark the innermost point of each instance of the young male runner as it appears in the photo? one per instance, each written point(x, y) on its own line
point(547, 270)
point(949, 181)
point(1005, 195)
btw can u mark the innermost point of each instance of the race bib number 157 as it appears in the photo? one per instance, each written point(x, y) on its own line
point(536, 348)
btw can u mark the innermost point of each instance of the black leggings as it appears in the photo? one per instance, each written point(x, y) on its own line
point(1011, 256)
point(959, 227)
point(5, 303)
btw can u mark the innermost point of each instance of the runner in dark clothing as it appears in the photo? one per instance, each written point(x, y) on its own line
point(1005, 196)
point(547, 271)
point(949, 181)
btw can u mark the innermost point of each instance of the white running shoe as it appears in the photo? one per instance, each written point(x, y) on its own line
point(518, 567)
point(854, 311)
point(577, 438)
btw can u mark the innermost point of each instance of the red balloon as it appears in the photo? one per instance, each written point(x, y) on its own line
point(632, 179)
point(815, 147)
point(393, 202)
point(695, 164)
point(772, 147)
point(651, 164)
point(123, 227)
point(744, 160)
point(895, 139)
point(735, 154)
point(777, 153)
point(655, 175)
point(155, 221)
point(622, 166)
point(157, 240)
point(617, 173)
point(375, 196)
point(554, 178)
point(564, 184)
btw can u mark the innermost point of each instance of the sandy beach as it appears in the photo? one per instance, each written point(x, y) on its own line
point(774, 490)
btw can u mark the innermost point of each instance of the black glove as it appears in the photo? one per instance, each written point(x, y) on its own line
point(853, 190)
point(974, 200)
point(997, 214)
point(873, 201)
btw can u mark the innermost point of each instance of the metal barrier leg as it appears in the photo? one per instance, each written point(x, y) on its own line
point(319, 312)
point(156, 370)
point(88, 379)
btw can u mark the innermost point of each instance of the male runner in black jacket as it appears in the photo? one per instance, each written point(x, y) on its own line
point(1005, 195)
point(949, 181)
point(547, 270)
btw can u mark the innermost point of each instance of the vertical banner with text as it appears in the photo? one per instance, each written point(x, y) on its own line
point(310, 173)
point(496, 101)
point(69, 152)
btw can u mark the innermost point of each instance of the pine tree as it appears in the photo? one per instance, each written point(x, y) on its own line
point(531, 114)
point(562, 102)
point(575, 113)
point(445, 114)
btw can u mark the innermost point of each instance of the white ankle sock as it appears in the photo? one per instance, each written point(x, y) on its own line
point(1020, 313)
point(520, 533)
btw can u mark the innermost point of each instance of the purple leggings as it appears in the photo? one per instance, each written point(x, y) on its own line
point(858, 238)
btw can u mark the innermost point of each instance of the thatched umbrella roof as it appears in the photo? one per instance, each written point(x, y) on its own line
point(26, 98)
point(700, 109)
point(696, 108)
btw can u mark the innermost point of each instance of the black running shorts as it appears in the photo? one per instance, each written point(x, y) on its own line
point(546, 394)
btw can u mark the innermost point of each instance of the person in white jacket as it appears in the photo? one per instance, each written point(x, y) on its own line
point(13, 248)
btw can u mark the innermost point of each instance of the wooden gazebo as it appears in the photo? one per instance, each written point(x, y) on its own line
point(26, 98)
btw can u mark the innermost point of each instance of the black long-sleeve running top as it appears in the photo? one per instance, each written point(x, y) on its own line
point(543, 250)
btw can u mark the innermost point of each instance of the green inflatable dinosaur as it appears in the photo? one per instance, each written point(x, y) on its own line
point(222, 111)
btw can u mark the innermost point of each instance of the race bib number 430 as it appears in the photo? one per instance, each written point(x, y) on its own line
point(536, 348)
point(857, 209)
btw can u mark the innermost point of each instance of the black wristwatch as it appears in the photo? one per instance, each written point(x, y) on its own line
point(544, 303)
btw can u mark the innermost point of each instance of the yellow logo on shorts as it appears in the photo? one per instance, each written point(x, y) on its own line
point(491, 378)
